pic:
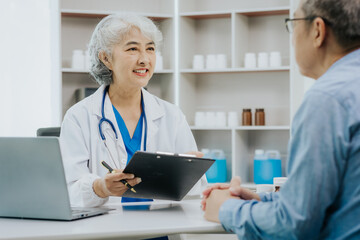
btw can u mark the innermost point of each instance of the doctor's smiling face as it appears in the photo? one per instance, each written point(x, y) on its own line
point(133, 60)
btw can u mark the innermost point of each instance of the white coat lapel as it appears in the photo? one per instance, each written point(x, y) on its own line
point(153, 112)
point(116, 148)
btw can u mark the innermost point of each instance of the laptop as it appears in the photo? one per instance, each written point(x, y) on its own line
point(32, 181)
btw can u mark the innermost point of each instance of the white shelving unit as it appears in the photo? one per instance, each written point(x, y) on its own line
point(242, 128)
point(72, 70)
point(191, 27)
point(235, 70)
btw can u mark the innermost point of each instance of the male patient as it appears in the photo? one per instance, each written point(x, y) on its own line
point(321, 199)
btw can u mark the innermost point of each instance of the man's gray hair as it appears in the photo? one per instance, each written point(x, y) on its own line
point(112, 30)
point(343, 17)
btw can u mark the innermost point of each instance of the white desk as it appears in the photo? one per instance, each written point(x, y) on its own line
point(180, 217)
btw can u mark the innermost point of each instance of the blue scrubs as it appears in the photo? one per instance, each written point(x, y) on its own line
point(132, 145)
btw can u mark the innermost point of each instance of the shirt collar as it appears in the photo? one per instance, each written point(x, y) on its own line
point(354, 55)
point(153, 110)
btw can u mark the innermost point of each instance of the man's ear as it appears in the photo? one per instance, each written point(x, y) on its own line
point(105, 60)
point(319, 32)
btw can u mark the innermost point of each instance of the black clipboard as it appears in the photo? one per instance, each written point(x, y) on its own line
point(165, 176)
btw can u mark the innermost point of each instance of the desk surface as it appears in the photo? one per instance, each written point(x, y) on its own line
point(163, 218)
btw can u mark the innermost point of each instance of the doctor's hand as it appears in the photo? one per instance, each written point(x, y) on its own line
point(110, 184)
point(196, 154)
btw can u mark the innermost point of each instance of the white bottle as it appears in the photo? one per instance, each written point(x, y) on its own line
point(87, 60)
point(260, 154)
point(198, 62)
point(233, 119)
point(78, 59)
point(210, 61)
point(200, 119)
point(210, 120)
point(275, 59)
point(220, 119)
point(279, 182)
point(159, 62)
point(221, 61)
point(250, 60)
point(263, 60)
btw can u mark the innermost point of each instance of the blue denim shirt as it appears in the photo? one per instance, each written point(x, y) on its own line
point(321, 198)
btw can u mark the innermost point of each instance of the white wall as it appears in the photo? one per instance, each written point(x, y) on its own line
point(29, 66)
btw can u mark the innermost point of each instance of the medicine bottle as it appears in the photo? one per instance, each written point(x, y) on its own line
point(78, 61)
point(259, 117)
point(278, 182)
point(246, 117)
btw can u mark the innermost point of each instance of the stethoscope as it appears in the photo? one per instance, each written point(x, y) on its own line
point(104, 119)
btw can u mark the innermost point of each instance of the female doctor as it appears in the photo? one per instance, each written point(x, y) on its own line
point(121, 117)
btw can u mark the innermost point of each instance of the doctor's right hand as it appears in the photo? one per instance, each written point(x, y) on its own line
point(110, 184)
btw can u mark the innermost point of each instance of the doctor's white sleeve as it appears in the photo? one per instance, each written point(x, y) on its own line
point(76, 157)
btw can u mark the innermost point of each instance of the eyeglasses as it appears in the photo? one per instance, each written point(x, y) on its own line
point(289, 22)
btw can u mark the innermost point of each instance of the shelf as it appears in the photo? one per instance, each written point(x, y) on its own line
point(236, 70)
point(72, 70)
point(263, 128)
point(209, 14)
point(101, 14)
point(210, 128)
point(264, 11)
point(247, 12)
point(241, 128)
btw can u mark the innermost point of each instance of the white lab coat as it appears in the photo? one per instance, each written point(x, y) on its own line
point(83, 149)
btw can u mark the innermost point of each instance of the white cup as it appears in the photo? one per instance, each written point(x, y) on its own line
point(250, 60)
point(199, 119)
point(159, 62)
point(220, 119)
point(263, 60)
point(210, 61)
point(233, 119)
point(198, 61)
point(275, 59)
point(264, 188)
point(78, 60)
point(221, 61)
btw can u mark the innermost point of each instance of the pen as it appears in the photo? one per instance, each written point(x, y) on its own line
point(122, 180)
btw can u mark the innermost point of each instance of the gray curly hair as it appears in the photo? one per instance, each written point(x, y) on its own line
point(343, 16)
point(110, 31)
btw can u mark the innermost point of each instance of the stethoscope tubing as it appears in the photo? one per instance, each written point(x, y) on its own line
point(104, 119)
